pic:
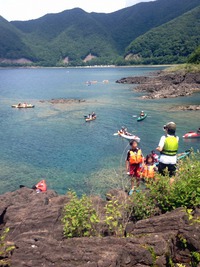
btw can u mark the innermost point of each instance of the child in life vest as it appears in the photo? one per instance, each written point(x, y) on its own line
point(134, 160)
point(149, 168)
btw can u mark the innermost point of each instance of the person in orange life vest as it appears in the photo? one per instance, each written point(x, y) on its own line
point(149, 168)
point(134, 160)
point(41, 186)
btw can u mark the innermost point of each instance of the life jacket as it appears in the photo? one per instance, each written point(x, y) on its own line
point(135, 157)
point(171, 146)
point(148, 171)
point(41, 186)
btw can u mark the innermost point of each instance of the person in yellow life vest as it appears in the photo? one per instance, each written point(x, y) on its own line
point(168, 147)
point(134, 160)
point(149, 168)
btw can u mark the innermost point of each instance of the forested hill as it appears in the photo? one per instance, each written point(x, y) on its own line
point(75, 37)
point(11, 44)
point(169, 43)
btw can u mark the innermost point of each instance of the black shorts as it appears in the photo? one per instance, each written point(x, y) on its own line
point(171, 168)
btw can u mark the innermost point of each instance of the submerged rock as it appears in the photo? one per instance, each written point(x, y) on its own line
point(63, 101)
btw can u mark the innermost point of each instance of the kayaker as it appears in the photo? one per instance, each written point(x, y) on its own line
point(168, 147)
point(93, 114)
point(142, 113)
point(40, 187)
point(198, 131)
point(134, 160)
point(149, 168)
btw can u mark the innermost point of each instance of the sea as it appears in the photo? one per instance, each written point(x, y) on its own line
point(53, 141)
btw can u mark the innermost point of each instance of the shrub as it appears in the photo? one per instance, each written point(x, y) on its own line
point(116, 217)
point(80, 218)
point(183, 192)
point(5, 249)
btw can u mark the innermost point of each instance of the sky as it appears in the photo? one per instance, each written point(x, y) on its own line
point(32, 9)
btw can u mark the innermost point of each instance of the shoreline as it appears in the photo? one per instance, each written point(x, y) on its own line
point(165, 84)
point(89, 67)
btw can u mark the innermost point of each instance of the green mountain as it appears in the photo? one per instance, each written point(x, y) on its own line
point(75, 36)
point(172, 42)
point(11, 44)
point(195, 56)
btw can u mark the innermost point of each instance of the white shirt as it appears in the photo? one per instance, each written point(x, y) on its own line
point(165, 158)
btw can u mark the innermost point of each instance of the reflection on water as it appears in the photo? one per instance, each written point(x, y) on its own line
point(54, 142)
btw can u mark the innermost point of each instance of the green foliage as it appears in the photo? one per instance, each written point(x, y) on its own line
point(195, 258)
point(114, 217)
point(195, 57)
point(170, 43)
point(142, 206)
point(5, 249)
point(80, 218)
point(162, 196)
point(186, 68)
point(182, 241)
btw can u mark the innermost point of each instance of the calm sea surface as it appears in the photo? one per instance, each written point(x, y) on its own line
point(54, 142)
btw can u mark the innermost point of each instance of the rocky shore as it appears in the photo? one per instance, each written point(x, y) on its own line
point(165, 84)
point(188, 107)
point(36, 232)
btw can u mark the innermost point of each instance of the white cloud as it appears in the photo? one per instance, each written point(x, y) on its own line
point(30, 9)
point(134, 2)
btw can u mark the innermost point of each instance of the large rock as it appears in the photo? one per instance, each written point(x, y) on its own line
point(165, 84)
point(35, 226)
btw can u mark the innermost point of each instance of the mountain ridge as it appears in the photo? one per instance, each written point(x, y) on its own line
point(75, 34)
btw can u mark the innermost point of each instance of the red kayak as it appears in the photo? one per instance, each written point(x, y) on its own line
point(192, 135)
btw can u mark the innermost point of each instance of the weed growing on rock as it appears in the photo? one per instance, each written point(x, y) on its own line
point(195, 259)
point(80, 218)
point(5, 249)
point(114, 217)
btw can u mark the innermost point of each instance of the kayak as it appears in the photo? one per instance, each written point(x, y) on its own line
point(90, 119)
point(129, 137)
point(184, 154)
point(23, 106)
point(141, 118)
point(180, 155)
point(191, 135)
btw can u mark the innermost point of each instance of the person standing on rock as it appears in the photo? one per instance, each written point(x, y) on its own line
point(168, 147)
point(134, 160)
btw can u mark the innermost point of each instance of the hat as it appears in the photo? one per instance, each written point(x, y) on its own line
point(170, 126)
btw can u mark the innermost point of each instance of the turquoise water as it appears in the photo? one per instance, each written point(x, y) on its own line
point(55, 143)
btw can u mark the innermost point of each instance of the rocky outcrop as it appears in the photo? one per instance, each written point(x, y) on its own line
point(165, 84)
point(63, 101)
point(187, 107)
point(35, 226)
